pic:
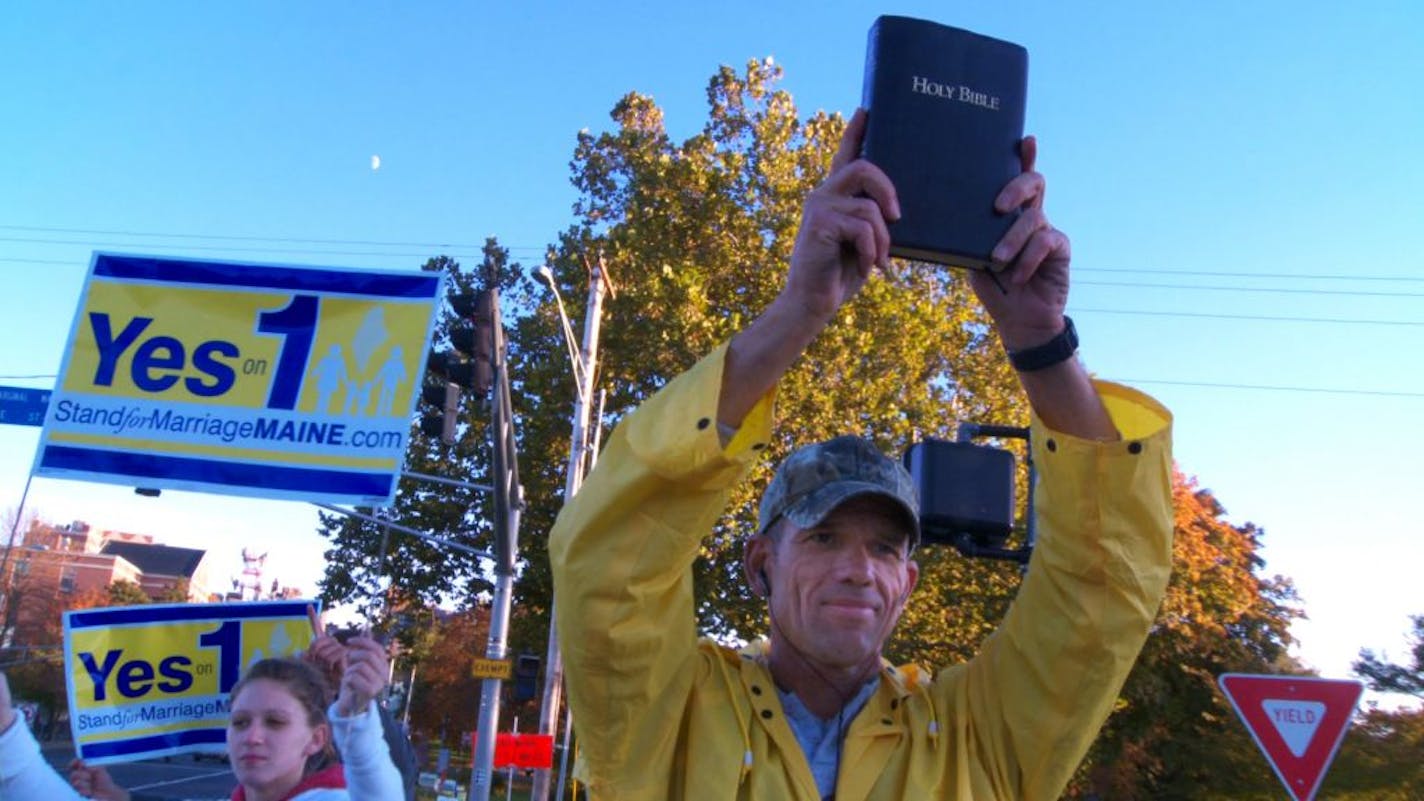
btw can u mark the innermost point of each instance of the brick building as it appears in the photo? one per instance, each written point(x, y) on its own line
point(54, 564)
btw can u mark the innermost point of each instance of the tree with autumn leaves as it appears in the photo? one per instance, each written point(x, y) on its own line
point(695, 235)
point(1173, 735)
point(33, 659)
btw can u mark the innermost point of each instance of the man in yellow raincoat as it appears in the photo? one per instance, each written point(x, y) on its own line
point(815, 712)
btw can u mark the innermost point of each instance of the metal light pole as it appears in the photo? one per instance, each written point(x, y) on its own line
point(409, 697)
point(579, 452)
point(508, 503)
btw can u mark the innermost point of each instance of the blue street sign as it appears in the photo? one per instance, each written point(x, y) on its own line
point(22, 406)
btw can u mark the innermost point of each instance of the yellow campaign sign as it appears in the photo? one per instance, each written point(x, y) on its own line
point(147, 681)
point(280, 382)
point(491, 669)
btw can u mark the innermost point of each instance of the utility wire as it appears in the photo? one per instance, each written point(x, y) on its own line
point(540, 249)
point(1258, 318)
point(236, 238)
point(1122, 284)
point(1274, 290)
point(222, 248)
point(70, 262)
point(1269, 388)
point(1239, 274)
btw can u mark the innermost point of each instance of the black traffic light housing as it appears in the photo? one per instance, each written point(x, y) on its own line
point(526, 677)
point(472, 369)
point(443, 400)
point(476, 341)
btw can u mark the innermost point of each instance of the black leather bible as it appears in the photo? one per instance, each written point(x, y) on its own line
point(946, 114)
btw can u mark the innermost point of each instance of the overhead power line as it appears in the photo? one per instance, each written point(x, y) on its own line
point(237, 238)
point(1121, 284)
point(1269, 388)
point(1146, 313)
point(1259, 318)
point(40, 261)
point(224, 248)
point(1241, 274)
point(540, 249)
point(1273, 290)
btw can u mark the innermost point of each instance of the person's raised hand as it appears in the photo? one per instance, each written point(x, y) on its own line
point(95, 782)
point(843, 233)
point(367, 669)
point(7, 708)
point(1031, 291)
point(326, 653)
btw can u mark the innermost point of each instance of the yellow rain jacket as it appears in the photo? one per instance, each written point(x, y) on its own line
point(662, 715)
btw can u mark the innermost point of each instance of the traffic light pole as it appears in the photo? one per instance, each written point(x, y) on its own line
point(508, 503)
point(431, 538)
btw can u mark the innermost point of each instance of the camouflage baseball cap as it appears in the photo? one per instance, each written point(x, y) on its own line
point(817, 478)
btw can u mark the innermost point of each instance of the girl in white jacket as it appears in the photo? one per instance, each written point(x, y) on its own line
point(279, 739)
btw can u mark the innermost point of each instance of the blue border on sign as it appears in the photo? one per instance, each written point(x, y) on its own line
point(370, 487)
point(324, 482)
point(177, 739)
point(182, 741)
point(185, 612)
point(216, 273)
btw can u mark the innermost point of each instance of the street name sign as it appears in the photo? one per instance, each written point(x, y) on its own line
point(22, 406)
point(1297, 721)
point(245, 379)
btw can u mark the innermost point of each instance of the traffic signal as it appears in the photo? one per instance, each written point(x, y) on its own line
point(470, 366)
point(444, 402)
point(477, 340)
point(526, 678)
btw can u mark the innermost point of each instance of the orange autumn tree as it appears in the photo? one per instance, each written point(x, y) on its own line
point(1173, 734)
point(447, 696)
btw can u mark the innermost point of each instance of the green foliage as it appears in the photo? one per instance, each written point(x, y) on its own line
point(176, 593)
point(364, 559)
point(1380, 759)
point(126, 593)
point(1389, 677)
point(697, 235)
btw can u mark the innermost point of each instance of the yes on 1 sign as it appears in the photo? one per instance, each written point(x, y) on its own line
point(1297, 721)
point(147, 681)
point(275, 382)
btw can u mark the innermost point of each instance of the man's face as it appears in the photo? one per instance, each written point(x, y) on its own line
point(837, 589)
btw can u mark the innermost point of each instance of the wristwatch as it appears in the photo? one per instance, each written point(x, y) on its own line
point(1060, 348)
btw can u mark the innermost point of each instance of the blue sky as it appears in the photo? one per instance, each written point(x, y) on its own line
point(1241, 183)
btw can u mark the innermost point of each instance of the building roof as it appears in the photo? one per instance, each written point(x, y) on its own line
point(161, 559)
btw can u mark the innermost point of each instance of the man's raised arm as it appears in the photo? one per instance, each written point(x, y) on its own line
point(843, 237)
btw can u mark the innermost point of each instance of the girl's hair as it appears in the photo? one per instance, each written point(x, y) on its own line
point(309, 687)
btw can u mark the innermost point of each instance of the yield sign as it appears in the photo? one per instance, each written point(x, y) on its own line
point(1298, 721)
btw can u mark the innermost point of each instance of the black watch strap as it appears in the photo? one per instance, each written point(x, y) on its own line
point(1059, 349)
